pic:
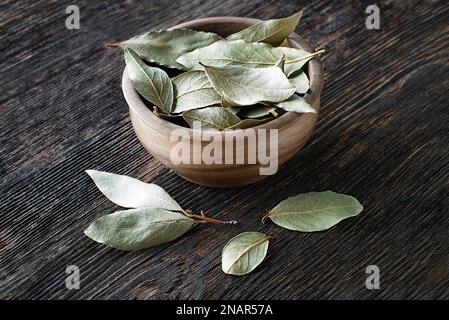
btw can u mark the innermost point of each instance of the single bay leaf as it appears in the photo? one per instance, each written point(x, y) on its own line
point(132, 193)
point(249, 123)
point(248, 86)
point(301, 82)
point(152, 83)
point(165, 46)
point(243, 253)
point(257, 111)
point(297, 104)
point(272, 31)
point(192, 91)
point(245, 54)
point(314, 211)
point(215, 117)
point(137, 229)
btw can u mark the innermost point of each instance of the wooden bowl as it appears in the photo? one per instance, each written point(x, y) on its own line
point(293, 129)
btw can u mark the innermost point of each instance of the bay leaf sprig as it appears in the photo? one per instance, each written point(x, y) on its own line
point(156, 217)
point(247, 69)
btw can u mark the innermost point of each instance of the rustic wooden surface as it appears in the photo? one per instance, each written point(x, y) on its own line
point(382, 136)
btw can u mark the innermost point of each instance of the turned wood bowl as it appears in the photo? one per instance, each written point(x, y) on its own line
point(293, 129)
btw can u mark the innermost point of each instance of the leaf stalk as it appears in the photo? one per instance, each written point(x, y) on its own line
point(202, 218)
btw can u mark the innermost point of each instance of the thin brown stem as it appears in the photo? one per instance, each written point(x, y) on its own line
point(112, 45)
point(202, 218)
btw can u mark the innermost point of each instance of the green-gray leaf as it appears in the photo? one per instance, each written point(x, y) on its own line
point(245, 54)
point(248, 86)
point(272, 31)
point(314, 211)
point(165, 46)
point(137, 229)
point(301, 82)
point(132, 193)
point(152, 83)
point(296, 104)
point(215, 117)
point(243, 253)
point(193, 90)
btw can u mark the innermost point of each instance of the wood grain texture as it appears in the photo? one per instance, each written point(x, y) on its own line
point(382, 136)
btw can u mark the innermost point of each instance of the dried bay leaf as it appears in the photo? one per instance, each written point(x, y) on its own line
point(272, 31)
point(193, 90)
point(132, 193)
point(137, 229)
point(215, 117)
point(314, 211)
point(297, 104)
point(243, 253)
point(245, 54)
point(152, 83)
point(248, 86)
point(165, 46)
point(301, 82)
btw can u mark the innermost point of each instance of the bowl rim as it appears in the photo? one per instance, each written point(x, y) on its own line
point(315, 73)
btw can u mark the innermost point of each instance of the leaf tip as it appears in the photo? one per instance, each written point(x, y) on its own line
point(87, 232)
point(90, 172)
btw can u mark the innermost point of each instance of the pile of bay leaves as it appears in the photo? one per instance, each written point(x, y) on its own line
point(236, 82)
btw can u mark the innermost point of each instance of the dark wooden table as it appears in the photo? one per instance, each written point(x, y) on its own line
point(382, 136)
